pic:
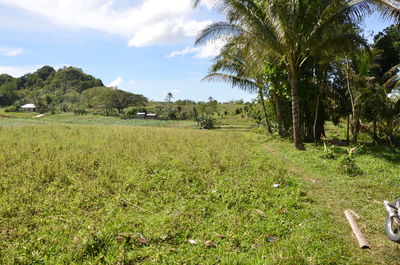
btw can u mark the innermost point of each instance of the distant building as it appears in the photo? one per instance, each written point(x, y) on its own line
point(151, 116)
point(141, 115)
point(29, 108)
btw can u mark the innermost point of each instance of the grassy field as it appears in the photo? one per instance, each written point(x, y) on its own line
point(120, 194)
point(105, 194)
point(18, 119)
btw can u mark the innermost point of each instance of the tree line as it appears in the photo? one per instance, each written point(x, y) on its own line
point(309, 59)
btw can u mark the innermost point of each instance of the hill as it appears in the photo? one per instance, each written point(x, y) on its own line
point(52, 89)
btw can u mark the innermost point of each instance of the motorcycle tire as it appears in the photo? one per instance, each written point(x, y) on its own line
point(393, 233)
point(392, 230)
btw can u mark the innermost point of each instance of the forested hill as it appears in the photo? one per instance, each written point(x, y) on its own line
point(64, 84)
point(66, 89)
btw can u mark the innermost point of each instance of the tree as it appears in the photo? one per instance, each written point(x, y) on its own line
point(234, 66)
point(120, 100)
point(388, 42)
point(169, 97)
point(45, 72)
point(293, 31)
point(109, 98)
point(8, 93)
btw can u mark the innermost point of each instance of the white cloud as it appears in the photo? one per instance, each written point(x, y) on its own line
point(149, 23)
point(117, 82)
point(210, 50)
point(183, 52)
point(11, 51)
point(18, 71)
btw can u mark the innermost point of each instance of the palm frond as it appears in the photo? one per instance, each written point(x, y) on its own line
point(217, 31)
point(240, 82)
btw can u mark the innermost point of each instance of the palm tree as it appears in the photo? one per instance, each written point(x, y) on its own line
point(169, 97)
point(234, 67)
point(379, 104)
point(294, 31)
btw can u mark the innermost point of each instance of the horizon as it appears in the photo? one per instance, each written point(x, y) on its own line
point(144, 47)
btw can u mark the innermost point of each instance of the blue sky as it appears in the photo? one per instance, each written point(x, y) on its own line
point(142, 46)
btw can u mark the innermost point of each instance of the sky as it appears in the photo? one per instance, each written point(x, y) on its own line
point(141, 46)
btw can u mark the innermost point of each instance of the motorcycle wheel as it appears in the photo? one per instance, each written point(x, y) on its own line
point(392, 229)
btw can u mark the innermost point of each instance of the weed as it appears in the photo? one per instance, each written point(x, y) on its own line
point(348, 166)
point(328, 152)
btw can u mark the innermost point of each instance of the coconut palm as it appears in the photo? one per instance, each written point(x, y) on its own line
point(380, 105)
point(294, 31)
point(169, 97)
point(235, 67)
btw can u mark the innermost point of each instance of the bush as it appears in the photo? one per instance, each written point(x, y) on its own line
point(133, 111)
point(348, 164)
point(238, 111)
point(12, 109)
point(167, 113)
point(328, 152)
point(205, 121)
point(80, 111)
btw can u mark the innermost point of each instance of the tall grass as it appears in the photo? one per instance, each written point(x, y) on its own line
point(126, 195)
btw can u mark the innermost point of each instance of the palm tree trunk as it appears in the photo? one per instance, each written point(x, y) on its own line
point(261, 95)
point(294, 81)
point(315, 121)
point(356, 126)
point(279, 116)
point(374, 133)
point(354, 109)
point(323, 86)
point(348, 130)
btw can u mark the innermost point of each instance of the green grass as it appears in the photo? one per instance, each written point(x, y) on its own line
point(18, 119)
point(96, 190)
point(87, 194)
point(380, 180)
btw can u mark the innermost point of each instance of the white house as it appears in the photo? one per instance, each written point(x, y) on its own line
point(151, 116)
point(29, 107)
point(141, 115)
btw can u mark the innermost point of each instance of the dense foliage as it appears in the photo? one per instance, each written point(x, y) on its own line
point(67, 89)
point(311, 61)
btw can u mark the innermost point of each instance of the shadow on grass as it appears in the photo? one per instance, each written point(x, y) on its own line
point(389, 153)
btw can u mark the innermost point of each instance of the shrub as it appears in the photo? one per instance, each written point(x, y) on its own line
point(238, 111)
point(12, 108)
point(80, 111)
point(132, 111)
point(205, 121)
point(328, 152)
point(348, 164)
